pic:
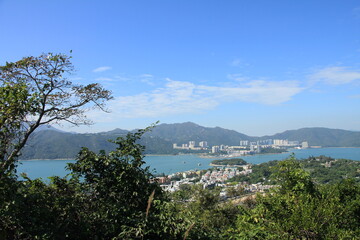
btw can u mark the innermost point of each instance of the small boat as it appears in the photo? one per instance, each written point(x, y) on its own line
point(199, 164)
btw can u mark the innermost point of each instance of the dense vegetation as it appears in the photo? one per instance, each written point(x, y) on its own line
point(321, 169)
point(230, 161)
point(272, 150)
point(106, 196)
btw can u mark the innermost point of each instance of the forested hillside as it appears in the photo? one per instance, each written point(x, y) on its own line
point(324, 137)
point(188, 131)
point(52, 144)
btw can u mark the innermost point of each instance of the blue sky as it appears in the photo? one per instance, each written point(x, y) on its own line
point(257, 67)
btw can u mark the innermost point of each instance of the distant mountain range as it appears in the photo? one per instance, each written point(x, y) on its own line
point(50, 143)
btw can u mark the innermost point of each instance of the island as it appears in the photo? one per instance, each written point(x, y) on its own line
point(228, 162)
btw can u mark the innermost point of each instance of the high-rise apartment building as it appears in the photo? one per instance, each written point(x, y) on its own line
point(304, 145)
point(215, 149)
point(244, 143)
point(203, 144)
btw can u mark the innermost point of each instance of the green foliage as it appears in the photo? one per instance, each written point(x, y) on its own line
point(106, 196)
point(210, 217)
point(321, 169)
point(272, 150)
point(328, 170)
point(118, 183)
point(15, 105)
point(260, 174)
point(282, 215)
point(292, 177)
point(299, 210)
point(235, 191)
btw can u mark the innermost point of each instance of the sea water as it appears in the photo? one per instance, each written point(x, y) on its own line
point(168, 164)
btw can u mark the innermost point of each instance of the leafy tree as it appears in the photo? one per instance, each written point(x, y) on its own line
point(15, 104)
point(291, 177)
point(118, 186)
point(108, 196)
point(35, 91)
point(235, 191)
point(203, 208)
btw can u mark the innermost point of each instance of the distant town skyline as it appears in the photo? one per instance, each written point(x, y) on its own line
point(257, 67)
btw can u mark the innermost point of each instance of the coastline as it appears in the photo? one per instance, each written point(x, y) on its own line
point(200, 155)
point(175, 163)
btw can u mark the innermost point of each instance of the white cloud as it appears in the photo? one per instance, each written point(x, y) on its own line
point(146, 75)
point(262, 92)
point(335, 75)
point(106, 79)
point(102, 69)
point(142, 78)
point(147, 78)
point(178, 97)
point(237, 62)
point(76, 78)
point(237, 77)
point(122, 78)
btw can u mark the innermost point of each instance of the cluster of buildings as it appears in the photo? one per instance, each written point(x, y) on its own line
point(245, 147)
point(210, 179)
point(191, 146)
point(218, 176)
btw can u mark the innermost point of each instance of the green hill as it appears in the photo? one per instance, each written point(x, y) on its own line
point(52, 144)
point(324, 137)
point(185, 132)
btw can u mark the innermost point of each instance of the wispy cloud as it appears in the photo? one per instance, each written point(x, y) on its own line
point(106, 79)
point(122, 78)
point(237, 62)
point(146, 75)
point(102, 69)
point(179, 97)
point(76, 78)
point(237, 77)
point(147, 78)
point(142, 78)
point(335, 75)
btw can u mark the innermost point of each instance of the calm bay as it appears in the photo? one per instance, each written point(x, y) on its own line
point(178, 163)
